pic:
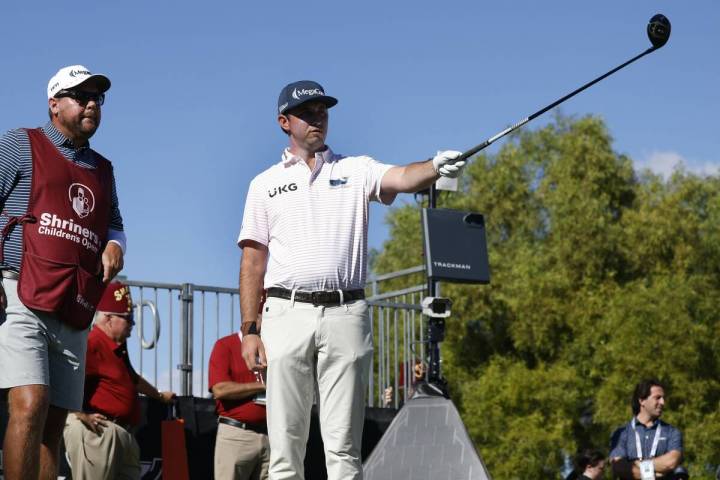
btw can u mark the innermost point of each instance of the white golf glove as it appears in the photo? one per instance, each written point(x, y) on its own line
point(446, 165)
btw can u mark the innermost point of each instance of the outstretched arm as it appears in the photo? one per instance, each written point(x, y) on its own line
point(420, 175)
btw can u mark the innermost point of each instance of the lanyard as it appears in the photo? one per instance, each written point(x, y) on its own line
point(638, 444)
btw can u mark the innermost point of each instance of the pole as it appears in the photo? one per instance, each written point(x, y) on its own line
point(186, 338)
point(435, 327)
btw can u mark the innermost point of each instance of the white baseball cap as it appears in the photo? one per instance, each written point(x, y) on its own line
point(72, 76)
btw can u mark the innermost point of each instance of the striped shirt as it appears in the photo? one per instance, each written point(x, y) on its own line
point(16, 179)
point(313, 223)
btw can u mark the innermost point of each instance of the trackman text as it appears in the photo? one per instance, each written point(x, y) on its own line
point(459, 266)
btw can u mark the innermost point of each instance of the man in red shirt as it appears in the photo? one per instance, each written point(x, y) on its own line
point(242, 451)
point(98, 439)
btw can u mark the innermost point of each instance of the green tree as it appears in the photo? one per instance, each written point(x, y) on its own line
point(600, 277)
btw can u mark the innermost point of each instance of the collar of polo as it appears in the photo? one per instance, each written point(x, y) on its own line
point(58, 139)
point(289, 158)
point(655, 423)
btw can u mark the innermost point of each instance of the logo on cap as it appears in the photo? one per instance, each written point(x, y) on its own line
point(75, 73)
point(81, 199)
point(121, 293)
point(305, 92)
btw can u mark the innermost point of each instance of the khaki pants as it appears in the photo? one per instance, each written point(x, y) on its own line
point(113, 455)
point(314, 347)
point(241, 454)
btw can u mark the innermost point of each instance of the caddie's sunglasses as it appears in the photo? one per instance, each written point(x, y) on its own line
point(82, 97)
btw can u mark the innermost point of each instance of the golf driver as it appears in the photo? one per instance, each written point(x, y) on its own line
point(658, 31)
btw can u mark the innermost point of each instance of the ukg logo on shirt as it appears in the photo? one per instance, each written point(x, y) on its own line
point(291, 187)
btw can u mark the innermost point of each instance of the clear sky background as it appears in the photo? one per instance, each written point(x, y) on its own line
point(190, 118)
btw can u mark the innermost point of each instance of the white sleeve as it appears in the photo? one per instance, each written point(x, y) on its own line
point(373, 179)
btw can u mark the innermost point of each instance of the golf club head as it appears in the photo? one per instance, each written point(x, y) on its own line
point(658, 30)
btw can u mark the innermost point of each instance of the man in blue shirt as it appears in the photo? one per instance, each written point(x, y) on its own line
point(646, 445)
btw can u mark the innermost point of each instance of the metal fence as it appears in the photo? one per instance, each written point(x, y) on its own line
point(178, 324)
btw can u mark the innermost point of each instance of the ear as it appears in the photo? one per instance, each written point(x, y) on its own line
point(284, 122)
point(53, 105)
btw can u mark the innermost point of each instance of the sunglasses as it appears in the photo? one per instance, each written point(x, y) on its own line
point(82, 97)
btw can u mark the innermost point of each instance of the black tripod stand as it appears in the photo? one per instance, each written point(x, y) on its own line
point(427, 439)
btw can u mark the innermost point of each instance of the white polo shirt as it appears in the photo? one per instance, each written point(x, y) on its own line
point(314, 223)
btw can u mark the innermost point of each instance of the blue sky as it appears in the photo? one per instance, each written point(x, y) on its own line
point(190, 118)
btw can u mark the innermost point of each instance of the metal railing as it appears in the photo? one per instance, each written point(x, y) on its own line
point(178, 324)
point(398, 334)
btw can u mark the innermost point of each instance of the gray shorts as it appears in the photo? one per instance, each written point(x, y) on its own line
point(37, 349)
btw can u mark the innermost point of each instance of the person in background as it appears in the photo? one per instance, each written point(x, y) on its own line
point(647, 447)
point(99, 439)
point(419, 370)
point(242, 449)
point(589, 465)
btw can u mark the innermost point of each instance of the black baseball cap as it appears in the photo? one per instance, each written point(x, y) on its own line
point(297, 93)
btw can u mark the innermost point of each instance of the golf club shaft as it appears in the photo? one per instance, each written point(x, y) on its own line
point(525, 120)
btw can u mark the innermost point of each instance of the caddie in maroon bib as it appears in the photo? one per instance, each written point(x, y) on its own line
point(64, 233)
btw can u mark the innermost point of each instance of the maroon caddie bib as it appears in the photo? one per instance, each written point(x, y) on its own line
point(65, 231)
